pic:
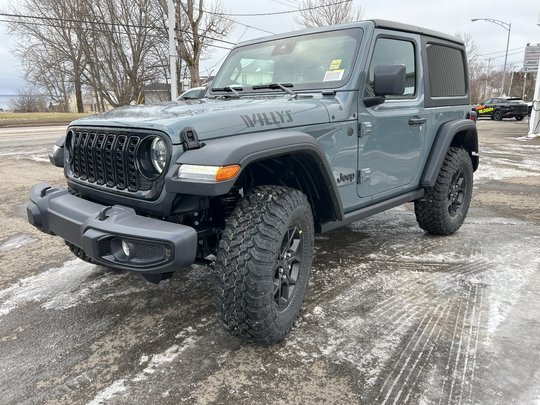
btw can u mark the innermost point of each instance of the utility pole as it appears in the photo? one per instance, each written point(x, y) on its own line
point(172, 48)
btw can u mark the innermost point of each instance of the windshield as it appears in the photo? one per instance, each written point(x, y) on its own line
point(313, 61)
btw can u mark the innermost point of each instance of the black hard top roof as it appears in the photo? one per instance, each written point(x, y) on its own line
point(391, 25)
point(414, 29)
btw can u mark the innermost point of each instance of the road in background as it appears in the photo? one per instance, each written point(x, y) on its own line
point(26, 136)
point(392, 315)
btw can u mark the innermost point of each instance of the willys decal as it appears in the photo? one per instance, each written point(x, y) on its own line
point(267, 118)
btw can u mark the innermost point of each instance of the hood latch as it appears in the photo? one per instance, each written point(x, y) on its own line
point(190, 139)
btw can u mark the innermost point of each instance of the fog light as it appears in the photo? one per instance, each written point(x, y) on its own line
point(126, 248)
point(136, 252)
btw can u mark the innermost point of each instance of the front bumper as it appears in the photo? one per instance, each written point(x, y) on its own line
point(154, 246)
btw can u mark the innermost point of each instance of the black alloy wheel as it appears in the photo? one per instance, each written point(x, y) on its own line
point(288, 267)
point(456, 192)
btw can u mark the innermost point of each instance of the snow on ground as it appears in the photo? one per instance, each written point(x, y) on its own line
point(496, 164)
point(104, 395)
point(62, 287)
point(16, 242)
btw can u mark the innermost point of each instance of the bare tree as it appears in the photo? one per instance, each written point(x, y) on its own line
point(28, 99)
point(48, 70)
point(121, 55)
point(54, 32)
point(113, 47)
point(198, 26)
point(317, 13)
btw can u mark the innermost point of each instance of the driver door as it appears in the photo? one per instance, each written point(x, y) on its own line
point(392, 134)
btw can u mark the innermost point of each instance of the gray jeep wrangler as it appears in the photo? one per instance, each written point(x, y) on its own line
point(300, 133)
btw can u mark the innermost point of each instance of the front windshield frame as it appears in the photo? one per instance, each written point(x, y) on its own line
point(221, 82)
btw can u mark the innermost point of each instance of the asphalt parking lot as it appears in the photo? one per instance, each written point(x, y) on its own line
point(392, 315)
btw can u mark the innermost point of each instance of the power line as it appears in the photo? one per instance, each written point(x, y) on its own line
point(246, 25)
point(120, 25)
point(109, 31)
point(277, 12)
point(283, 3)
point(502, 56)
point(492, 53)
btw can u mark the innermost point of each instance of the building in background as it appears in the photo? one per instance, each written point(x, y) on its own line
point(530, 60)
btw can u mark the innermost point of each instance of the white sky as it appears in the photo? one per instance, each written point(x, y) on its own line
point(446, 16)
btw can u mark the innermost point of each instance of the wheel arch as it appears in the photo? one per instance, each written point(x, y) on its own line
point(458, 133)
point(302, 170)
point(289, 158)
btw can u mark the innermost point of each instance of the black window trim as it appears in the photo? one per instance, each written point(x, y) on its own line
point(443, 101)
point(415, 53)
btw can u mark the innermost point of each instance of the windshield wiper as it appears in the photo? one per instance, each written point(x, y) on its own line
point(229, 89)
point(282, 86)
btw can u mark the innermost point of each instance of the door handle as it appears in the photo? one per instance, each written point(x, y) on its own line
point(417, 121)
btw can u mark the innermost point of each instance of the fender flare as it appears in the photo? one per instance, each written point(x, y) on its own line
point(451, 133)
point(250, 148)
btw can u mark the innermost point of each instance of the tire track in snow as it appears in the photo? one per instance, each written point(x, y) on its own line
point(478, 323)
point(468, 350)
point(428, 356)
point(409, 351)
point(461, 360)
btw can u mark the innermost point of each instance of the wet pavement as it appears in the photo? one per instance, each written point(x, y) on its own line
point(392, 315)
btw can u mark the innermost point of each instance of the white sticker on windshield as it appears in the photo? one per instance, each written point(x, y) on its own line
point(333, 75)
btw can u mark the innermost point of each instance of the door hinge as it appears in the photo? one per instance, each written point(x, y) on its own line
point(364, 175)
point(364, 128)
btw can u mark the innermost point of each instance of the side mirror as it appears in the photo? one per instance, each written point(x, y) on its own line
point(389, 80)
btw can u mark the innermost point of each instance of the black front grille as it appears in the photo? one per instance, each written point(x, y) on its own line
point(107, 158)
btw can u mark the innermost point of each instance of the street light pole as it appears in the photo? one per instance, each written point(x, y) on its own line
point(508, 27)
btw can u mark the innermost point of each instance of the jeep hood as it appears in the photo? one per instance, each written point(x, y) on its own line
point(212, 118)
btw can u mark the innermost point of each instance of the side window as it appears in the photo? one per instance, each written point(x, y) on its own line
point(446, 71)
point(390, 51)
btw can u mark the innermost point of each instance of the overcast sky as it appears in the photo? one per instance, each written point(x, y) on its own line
point(446, 16)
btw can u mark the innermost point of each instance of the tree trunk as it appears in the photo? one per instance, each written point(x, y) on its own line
point(194, 73)
point(78, 92)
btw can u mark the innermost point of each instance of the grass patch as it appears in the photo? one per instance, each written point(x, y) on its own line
point(26, 119)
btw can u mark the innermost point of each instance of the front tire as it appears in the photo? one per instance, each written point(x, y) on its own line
point(263, 263)
point(444, 207)
point(77, 251)
point(519, 117)
point(497, 115)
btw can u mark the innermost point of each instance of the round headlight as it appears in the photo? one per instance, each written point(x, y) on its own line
point(158, 154)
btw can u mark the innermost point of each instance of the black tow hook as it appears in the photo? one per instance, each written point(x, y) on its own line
point(103, 213)
point(43, 192)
